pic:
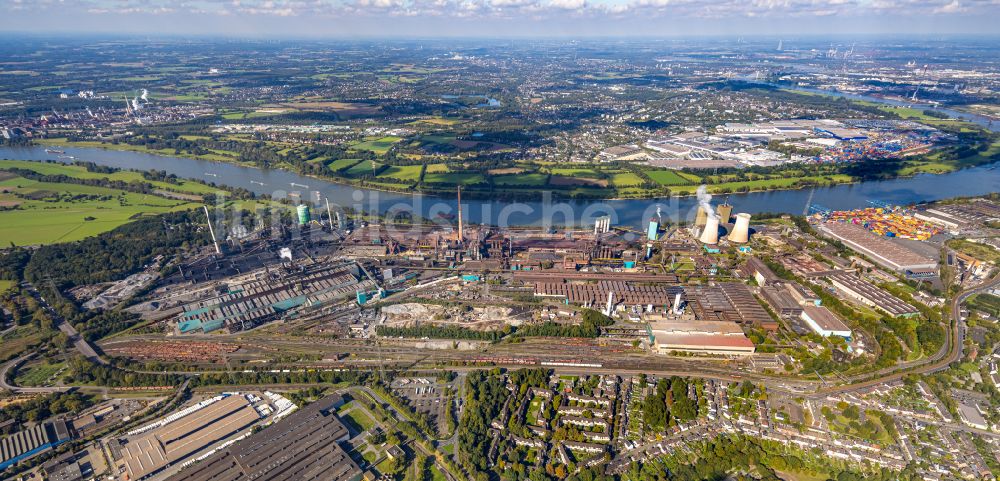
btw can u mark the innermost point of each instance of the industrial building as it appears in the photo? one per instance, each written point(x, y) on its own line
point(781, 301)
point(824, 322)
point(880, 249)
point(956, 216)
point(701, 337)
point(268, 294)
point(618, 293)
point(174, 441)
point(972, 416)
point(757, 269)
point(730, 302)
point(38, 439)
point(871, 295)
point(302, 447)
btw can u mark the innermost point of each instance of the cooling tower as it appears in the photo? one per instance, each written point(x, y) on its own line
point(701, 217)
point(725, 211)
point(711, 233)
point(741, 230)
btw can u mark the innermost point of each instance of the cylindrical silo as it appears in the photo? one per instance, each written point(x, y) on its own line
point(303, 211)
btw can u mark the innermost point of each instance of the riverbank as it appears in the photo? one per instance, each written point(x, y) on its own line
point(635, 212)
point(673, 183)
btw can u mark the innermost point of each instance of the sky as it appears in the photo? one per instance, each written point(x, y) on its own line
point(500, 18)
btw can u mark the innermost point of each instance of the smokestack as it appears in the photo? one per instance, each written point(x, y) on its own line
point(611, 297)
point(208, 218)
point(461, 236)
point(741, 231)
point(677, 303)
point(329, 215)
point(711, 233)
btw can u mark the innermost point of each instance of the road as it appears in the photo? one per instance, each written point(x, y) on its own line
point(950, 352)
point(78, 341)
point(10, 365)
point(403, 417)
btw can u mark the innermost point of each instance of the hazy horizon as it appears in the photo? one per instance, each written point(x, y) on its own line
point(502, 18)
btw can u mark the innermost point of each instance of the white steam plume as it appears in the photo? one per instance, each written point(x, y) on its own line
point(145, 95)
point(705, 201)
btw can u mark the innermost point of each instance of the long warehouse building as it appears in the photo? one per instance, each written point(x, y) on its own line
point(872, 295)
point(302, 447)
point(177, 440)
point(700, 337)
point(880, 249)
point(824, 322)
point(25, 444)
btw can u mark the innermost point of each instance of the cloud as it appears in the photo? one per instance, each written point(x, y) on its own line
point(512, 3)
point(568, 4)
point(953, 7)
point(536, 11)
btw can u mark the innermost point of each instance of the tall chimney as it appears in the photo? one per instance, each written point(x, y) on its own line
point(741, 230)
point(711, 233)
point(461, 236)
point(211, 230)
point(329, 215)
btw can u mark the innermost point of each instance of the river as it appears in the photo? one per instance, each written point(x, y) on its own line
point(979, 120)
point(921, 188)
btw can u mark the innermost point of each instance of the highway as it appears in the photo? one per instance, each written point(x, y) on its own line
point(950, 351)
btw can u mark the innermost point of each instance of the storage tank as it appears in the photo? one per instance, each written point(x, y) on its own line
point(741, 230)
point(711, 233)
point(303, 211)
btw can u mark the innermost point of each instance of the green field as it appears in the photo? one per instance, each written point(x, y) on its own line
point(913, 168)
point(342, 164)
point(574, 172)
point(59, 142)
point(378, 146)
point(521, 179)
point(38, 374)
point(402, 172)
point(362, 168)
point(982, 252)
point(5, 284)
point(453, 177)
point(667, 177)
point(436, 168)
point(436, 474)
point(55, 212)
point(16, 341)
point(985, 302)
point(47, 168)
point(766, 184)
point(359, 419)
point(626, 179)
